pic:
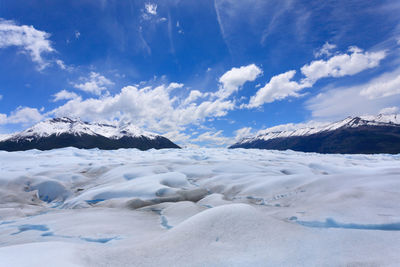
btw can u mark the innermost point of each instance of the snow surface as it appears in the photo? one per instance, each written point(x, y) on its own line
point(203, 207)
point(305, 129)
point(65, 125)
point(4, 136)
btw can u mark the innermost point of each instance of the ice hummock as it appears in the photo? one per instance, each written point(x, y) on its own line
point(204, 207)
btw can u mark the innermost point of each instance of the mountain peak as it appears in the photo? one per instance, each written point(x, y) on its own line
point(364, 134)
point(64, 131)
point(77, 127)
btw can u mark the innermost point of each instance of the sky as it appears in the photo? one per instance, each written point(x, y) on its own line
point(202, 73)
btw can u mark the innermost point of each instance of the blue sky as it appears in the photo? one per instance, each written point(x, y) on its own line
point(199, 72)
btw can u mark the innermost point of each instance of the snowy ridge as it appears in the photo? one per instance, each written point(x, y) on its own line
point(315, 127)
point(77, 127)
point(4, 136)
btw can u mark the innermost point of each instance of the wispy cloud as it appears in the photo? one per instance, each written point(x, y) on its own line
point(325, 50)
point(29, 40)
point(384, 86)
point(366, 98)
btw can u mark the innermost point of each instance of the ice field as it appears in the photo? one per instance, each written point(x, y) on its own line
point(198, 207)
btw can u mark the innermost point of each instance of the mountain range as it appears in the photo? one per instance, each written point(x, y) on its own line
point(66, 132)
point(353, 135)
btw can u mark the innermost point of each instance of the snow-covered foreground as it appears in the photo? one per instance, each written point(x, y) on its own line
point(203, 207)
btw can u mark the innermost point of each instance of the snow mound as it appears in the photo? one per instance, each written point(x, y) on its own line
point(203, 207)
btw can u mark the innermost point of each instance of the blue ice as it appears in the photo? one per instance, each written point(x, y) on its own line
point(331, 223)
point(29, 227)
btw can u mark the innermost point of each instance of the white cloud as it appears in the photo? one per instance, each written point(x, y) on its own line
point(337, 103)
point(215, 138)
point(386, 85)
point(95, 84)
point(153, 108)
point(64, 95)
point(29, 40)
point(177, 136)
point(77, 34)
point(242, 133)
point(193, 96)
point(342, 64)
point(23, 115)
point(1, 97)
point(151, 8)
point(61, 64)
point(282, 86)
point(325, 50)
point(173, 86)
point(279, 87)
point(233, 79)
point(389, 110)
point(3, 118)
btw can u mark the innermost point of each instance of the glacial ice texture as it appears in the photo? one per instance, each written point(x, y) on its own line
point(203, 207)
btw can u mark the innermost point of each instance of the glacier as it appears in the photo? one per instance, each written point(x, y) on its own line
point(198, 207)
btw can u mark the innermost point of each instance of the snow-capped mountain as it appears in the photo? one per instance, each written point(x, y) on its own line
point(365, 134)
point(65, 132)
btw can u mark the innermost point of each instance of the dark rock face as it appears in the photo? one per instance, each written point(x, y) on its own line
point(358, 140)
point(87, 142)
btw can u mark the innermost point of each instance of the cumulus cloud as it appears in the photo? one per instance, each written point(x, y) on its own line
point(151, 8)
point(193, 96)
point(215, 138)
point(95, 84)
point(29, 40)
point(326, 50)
point(279, 87)
point(177, 136)
point(282, 85)
point(342, 64)
point(23, 115)
point(153, 108)
point(173, 86)
point(233, 79)
point(64, 95)
point(242, 133)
